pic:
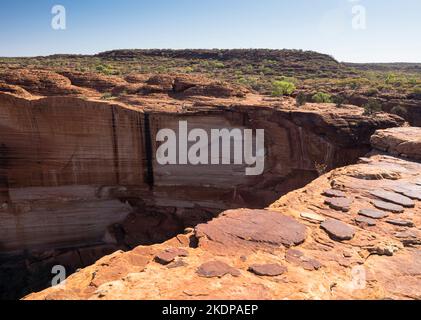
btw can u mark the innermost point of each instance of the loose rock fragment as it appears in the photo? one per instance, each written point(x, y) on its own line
point(373, 213)
point(177, 264)
point(311, 264)
point(365, 221)
point(388, 206)
point(341, 204)
point(408, 191)
point(312, 217)
point(394, 198)
point(216, 269)
point(169, 255)
point(338, 230)
point(332, 193)
point(293, 256)
point(408, 238)
point(269, 270)
point(401, 223)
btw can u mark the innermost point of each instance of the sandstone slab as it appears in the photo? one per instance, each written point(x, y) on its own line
point(216, 269)
point(298, 258)
point(252, 229)
point(366, 221)
point(333, 193)
point(400, 223)
point(394, 198)
point(167, 256)
point(294, 256)
point(338, 230)
point(312, 217)
point(268, 270)
point(373, 213)
point(410, 191)
point(340, 204)
point(388, 206)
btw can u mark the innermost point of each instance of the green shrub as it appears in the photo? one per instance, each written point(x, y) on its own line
point(372, 92)
point(282, 88)
point(107, 96)
point(105, 69)
point(391, 78)
point(288, 79)
point(249, 69)
point(322, 97)
point(372, 107)
point(301, 99)
point(339, 100)
point(400, 111)
point(251, 82)
point(216, 64)
point(188, 69)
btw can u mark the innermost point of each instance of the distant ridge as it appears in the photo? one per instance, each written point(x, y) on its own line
point(220, 54)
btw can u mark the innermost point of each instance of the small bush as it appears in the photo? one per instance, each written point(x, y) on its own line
point(188, 69)
point(322, 97)
point(400, 111)
point(105, 69)
point(339, 100)
point(372, 92)
point(372, 107)
point(216, 64)
point(251, 82)
point(301, 99)
point(282, 88)
point(107, 96)
point(321, 168)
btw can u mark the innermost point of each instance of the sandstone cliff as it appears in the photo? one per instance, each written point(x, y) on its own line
point(351, 234)
point(78, 172)
point(61, 153)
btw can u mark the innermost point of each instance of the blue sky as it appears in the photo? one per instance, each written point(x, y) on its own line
point(392, 34)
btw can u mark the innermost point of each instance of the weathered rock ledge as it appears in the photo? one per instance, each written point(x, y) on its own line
point(301, 247)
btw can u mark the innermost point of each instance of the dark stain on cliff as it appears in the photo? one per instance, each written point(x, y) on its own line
point(115, 146)
point(149, 153)
point(4, 181)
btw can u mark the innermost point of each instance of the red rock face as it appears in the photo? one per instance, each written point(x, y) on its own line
point(64, 157)
point(78, 170)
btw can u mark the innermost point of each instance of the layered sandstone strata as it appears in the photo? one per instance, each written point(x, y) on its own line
point(301, 247)
point(78, 171)
point(72, 166)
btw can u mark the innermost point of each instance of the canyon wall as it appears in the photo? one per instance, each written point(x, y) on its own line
point(72, 168)
point(79, 177)
point(353, 233)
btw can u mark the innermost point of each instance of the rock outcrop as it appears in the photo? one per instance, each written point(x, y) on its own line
point(298, 248)
point(405, 142)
